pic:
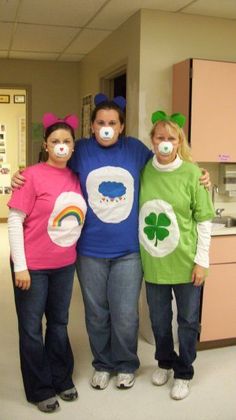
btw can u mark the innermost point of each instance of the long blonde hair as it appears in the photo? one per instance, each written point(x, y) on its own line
point(184, 150)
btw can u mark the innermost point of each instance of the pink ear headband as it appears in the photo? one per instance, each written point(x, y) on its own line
point(50, 119)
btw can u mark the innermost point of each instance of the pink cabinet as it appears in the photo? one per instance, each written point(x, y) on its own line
point(205, 91)
point(218, 315)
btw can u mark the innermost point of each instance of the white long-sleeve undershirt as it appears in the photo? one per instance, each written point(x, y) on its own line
point(16, 239)
point(203, 228)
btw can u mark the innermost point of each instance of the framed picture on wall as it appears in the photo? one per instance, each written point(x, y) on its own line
point(4, 99)
point(86, 115)
point(19, 99)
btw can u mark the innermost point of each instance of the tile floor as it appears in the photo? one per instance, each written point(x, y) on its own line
point(213, 391)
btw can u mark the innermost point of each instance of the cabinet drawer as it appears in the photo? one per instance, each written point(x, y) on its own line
point(223, 249)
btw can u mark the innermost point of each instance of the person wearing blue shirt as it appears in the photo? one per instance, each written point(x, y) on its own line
point(109, 267)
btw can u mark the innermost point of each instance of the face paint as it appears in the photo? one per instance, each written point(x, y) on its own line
point(106, 133)
point(165, 148)
point(61, 150)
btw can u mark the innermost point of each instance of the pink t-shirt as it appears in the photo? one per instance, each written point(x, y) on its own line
point(55, 208)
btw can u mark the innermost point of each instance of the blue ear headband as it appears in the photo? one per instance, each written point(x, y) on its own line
point(118, 100)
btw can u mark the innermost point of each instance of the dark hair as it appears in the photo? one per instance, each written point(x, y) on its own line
point(108, 105)
point(57, 126)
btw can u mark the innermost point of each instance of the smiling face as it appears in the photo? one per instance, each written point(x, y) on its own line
point(59, 145)
point(107, 127)
point(165, 142)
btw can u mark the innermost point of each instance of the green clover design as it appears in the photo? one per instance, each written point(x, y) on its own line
point(156, 226)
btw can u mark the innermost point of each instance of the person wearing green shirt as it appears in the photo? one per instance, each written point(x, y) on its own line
point(174, 233)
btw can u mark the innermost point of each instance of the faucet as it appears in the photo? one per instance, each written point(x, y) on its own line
point(215, 190)
point(218, 212)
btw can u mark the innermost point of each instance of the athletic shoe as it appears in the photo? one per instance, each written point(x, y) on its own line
point(180, 389)
point(160, 376)
point(100, 379)
point(125, 380)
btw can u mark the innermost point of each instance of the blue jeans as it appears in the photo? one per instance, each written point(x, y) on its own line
point(111, 289)
point(46, 366)
point(159, 299)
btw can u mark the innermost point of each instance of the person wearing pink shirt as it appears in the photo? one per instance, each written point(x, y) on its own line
point(45, 220)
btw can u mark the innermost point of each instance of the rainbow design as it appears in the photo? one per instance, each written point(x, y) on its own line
point(69, 211)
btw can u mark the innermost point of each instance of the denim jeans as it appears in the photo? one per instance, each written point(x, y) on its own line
point(159, 299)
point(111, 289)
point(46, 366)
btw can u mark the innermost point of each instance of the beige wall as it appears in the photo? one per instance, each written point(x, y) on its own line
point(168, 38)
point(121, 48)
point(54, 85)
point(54, 88)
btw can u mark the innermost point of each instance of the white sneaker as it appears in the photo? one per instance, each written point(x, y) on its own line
point(180, 389)
point(160, 376)
point(100, 379)
point(125, 380)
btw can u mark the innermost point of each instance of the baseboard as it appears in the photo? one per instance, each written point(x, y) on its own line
point(205, 345)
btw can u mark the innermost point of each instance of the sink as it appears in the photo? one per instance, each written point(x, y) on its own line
point(227, 221)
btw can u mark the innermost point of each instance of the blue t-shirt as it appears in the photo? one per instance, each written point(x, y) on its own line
point(109, 178)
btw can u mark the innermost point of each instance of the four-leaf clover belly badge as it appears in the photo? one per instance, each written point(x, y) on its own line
point(155, 228)
point(158, 228)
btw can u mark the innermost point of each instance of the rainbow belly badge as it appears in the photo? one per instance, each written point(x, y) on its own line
point(67, 212)
point(67, 218)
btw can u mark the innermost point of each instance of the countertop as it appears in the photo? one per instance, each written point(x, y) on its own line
point(218, 230)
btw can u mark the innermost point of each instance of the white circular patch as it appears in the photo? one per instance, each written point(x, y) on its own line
point(67, 219)
point(106, 133)
point(165, 148)
point(158, 228)
point(61, 150)
point(110, 193)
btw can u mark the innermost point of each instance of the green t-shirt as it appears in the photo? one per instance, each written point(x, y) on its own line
point(171, 205)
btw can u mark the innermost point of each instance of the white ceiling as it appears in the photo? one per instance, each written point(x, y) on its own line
point(67, 30)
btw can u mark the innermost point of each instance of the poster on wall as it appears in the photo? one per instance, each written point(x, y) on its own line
point(5, 178)
point(3, 156)
point(86, 115)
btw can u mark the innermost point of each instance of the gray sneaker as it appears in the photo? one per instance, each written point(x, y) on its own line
point(69, 394)
point(48, 406)
point(100, 379)
point(180, 389)
point(125, 380)
point(160, 376)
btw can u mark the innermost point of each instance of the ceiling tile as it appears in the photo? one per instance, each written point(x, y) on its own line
point(117, 12)
point(8, 10)
point(216, 8)
point(3, 54)
point(59, 12)
point(5, 35)
point(66, 30)
point(86, 41)
point(42, 38)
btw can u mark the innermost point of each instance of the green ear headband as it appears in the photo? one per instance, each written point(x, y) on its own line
point(177, 118)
